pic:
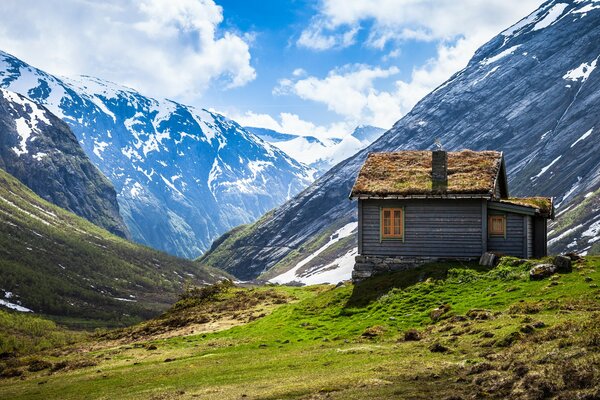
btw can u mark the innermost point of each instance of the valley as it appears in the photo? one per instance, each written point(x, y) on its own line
point(445, 331)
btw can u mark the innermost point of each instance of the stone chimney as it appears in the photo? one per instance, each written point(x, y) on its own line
point(439, 170)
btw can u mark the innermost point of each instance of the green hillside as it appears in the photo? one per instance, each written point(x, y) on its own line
point(60, 265)
point(445, 331)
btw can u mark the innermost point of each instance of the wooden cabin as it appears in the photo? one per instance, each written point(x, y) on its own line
point(431, 205)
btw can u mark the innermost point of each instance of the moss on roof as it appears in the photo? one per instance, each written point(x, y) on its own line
point(543, 205)
point(409, 173)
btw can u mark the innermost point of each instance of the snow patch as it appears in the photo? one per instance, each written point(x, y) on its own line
point(546, 168)
point(565, 234)
point(553, 14)
point(291, 275)
point(500, 55)
point(582, 72)
point(583, 137)
point(14, 306)
point(99, 148)
point(592, 232)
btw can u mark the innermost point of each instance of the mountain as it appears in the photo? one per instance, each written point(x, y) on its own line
point(42, 152)
point(183, 175)
point(532, 92)
point(58, 264)
point(320, 154)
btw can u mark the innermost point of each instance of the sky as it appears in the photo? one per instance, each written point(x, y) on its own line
point(316, 67)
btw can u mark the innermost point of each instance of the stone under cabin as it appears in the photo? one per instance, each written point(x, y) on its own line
point(423, 206)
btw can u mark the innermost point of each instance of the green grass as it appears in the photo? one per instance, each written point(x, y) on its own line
point(348, 342)
point(67, 268)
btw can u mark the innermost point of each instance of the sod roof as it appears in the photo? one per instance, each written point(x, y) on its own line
point(407, 173)
point(542, 205)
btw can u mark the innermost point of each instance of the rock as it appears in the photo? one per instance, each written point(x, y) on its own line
point(488, 259)
point(574, 256)
point(541, 271)
point(437, 313)
point(479, 314)
point(527, 329)
point(438, 348)
point(373, 331)
point(562, 263)
point(412, 335)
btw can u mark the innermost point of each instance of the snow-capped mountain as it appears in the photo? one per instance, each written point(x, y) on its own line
point(183, 175)
point(41, 151)
point(532, 92)
point(320, 154)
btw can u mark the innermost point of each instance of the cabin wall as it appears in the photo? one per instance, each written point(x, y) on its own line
point(432, 228)
point(515, 241)
point(540, 237)
point(529, 236)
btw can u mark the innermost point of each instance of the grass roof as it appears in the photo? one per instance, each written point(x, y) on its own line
point(543, 205)
point(409, 173)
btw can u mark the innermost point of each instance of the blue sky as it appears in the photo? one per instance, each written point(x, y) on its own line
point(310, 67)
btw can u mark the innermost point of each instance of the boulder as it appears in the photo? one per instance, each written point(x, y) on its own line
point(541, 271)
point(574, 256)
point(562, 263)
point(488, 259)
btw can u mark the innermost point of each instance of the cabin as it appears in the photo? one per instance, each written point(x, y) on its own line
point(422, 206)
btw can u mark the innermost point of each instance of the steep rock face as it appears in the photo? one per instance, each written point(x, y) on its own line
point(183, 175)
point(42, 152)
point(532, 92)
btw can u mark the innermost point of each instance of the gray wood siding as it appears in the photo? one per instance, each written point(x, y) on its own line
point(529, 236)
point(540, 237)
point(513, 244)
point(432, 228)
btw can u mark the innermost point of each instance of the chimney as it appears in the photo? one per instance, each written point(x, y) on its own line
point(439, 170)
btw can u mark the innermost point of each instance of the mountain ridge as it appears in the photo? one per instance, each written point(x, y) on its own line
point(183, 175)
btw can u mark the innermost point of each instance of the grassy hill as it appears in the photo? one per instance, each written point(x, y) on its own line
point(60, 265)
point(445, 331)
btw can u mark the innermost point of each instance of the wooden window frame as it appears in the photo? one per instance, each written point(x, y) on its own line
point(391, 236)
point(497, 234)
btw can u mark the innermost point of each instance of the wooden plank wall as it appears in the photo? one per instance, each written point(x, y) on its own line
point(433, 228)
point(529, 236)
point(514, 243)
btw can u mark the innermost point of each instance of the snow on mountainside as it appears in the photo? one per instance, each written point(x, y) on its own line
point(532, 92)
point(183, 175)
point(41, 151)
point(320, 154)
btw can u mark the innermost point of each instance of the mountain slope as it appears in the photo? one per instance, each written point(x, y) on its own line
point(183, 175)
point(56, 263)
point(320, 154)
point(532, 92)
point(42, 152)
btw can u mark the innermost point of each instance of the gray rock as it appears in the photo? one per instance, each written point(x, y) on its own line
point(488, 259)
point(541, 271)
point(562, 263)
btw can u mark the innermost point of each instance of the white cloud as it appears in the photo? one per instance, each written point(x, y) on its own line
point(458, 27)
point(345, 91)
point(316, 38)
point(165, 47)
point(391, 20)
point(293, 124)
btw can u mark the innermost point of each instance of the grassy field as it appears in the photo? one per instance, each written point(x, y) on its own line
point(63, 266)
point(446, 331)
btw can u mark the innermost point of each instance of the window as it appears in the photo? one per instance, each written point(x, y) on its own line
point(497, 225)
point(392, 223)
